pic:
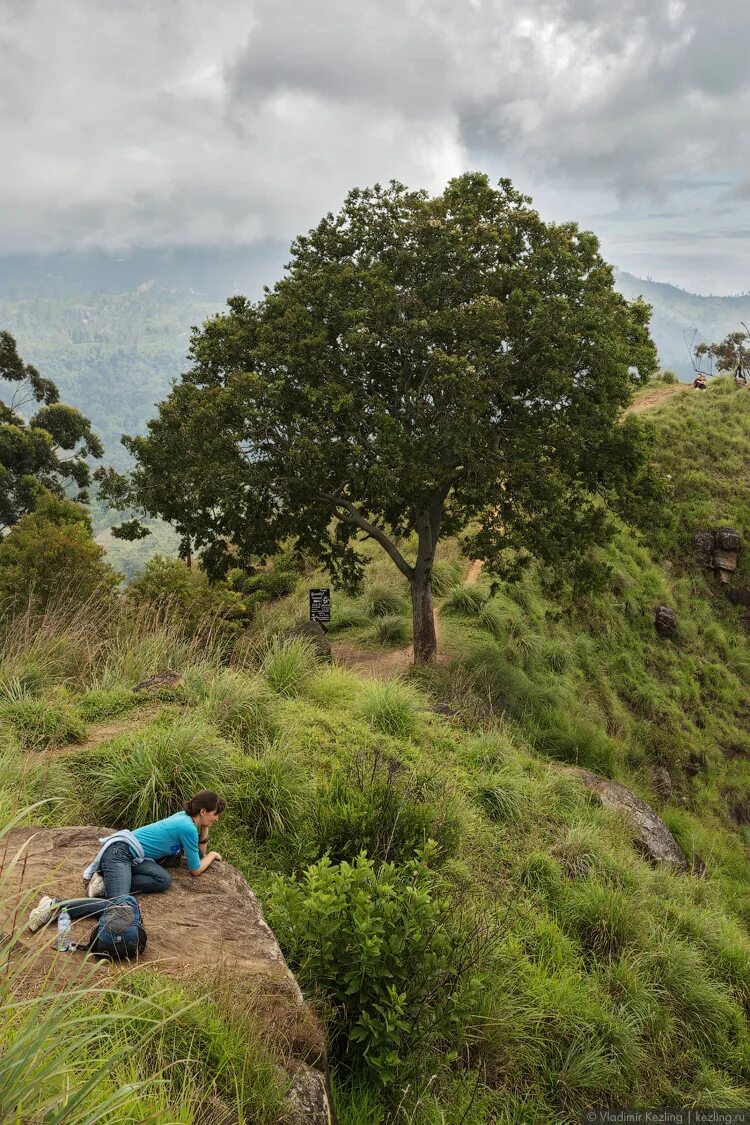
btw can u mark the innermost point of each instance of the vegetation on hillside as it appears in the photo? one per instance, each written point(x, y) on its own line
point(425, 366)
point(484, 941)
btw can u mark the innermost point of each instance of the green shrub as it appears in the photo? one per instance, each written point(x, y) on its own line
point(445, 575)
point(392, 707)
point(381, 949)
point(101, 704)
point(384, 601)
point(269, 794)
point(575, 741)
point(289, 665)
point(346, 613)
point(505, 797)
point(601, 917)
point(393, 630)
point(242, 708)
point(376, 805)
point(193, 601)
point(465, 601)
point(40, 723)
point(149, 775)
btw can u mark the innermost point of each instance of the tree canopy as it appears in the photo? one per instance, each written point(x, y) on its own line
point(427, 365)
point(731, 352)
point(46, 453)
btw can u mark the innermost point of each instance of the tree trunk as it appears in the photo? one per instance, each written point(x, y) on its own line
point(428, 529)
point(425, 640)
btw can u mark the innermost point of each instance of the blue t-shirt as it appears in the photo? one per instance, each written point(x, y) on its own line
point(170, 836)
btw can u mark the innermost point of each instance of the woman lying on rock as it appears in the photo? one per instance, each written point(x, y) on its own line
point(127, 861)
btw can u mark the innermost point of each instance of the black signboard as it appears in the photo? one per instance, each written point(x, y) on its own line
point(320, 606)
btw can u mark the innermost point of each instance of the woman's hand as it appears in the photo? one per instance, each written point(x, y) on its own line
point(213, 855)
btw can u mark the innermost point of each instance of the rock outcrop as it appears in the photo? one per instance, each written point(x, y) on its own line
point(313, 632)
point(653, 838)
point(718, 550)
point(665, 621)
point(201, 926)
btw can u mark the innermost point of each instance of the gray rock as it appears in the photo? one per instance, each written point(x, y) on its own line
point(703, 546)
point(725, 563)
point(727, 539)
point(739, 595)
point(313, 632)
point(198, 929)
point(653, 838)
point(665, 620)
point(662, 782)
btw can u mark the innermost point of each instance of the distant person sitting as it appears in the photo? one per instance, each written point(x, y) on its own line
point(127, 861)
point(740, 378)
point(700, 382)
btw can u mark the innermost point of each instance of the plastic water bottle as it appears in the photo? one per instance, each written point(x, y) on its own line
point(63, 932)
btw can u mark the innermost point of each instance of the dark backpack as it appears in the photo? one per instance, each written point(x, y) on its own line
point(119, 932)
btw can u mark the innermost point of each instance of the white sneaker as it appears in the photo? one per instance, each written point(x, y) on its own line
point(46, 909)
point(97, 889)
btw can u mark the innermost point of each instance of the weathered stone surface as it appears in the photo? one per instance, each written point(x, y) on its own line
point(313, 632)
point(653, 837)
point(202, 926)
point(739, 595)
point(665, 620)
point(662, 782)
point(727, 539)
point(725, 563)
point(703, 545)
point(745, 622)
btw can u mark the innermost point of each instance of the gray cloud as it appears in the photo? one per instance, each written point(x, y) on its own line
point(184, 123)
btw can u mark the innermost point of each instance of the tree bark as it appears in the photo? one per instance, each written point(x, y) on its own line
point(428, 523)
point(423, 617)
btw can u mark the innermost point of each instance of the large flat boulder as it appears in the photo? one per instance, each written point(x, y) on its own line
point(653, 838)
point(202, 925)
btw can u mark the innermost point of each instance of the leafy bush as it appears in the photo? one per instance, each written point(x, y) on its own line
point(241, 707)
point(51, 555)
point(384, 601)
point(393, 629)
point(276, 581)
point(149, 775)
point(101, 704)
point(378, 806)
point(465, 601)
point(289, 665)
point(186, 592)
point(381, 948)
point(392, 707)
point(41, 723)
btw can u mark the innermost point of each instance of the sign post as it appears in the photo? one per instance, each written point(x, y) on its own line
point(320, 606)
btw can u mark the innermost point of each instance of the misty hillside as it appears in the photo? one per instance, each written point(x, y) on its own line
point(678, 314)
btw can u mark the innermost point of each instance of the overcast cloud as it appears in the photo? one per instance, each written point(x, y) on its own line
point(183, 122)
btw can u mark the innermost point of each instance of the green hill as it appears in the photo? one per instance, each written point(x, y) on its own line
point(530, 962)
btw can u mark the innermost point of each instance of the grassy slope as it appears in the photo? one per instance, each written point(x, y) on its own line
point(606, 979)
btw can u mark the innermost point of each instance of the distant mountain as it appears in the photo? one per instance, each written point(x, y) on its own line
point(681, 319)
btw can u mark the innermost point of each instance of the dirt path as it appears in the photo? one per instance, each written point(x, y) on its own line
point(102, 732)
point(655, 396)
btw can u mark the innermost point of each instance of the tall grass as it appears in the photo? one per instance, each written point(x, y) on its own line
point(391, 706)
point(289, 665)
point(149, 774)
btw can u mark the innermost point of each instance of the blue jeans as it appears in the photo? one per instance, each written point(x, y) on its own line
point(121, 877)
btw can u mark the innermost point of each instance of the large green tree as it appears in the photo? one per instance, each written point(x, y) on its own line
point(44, 453)
point(427, 365)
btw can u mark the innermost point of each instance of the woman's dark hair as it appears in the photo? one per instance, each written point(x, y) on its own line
point(207, 800)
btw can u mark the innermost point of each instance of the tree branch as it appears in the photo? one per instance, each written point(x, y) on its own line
point(355, 517)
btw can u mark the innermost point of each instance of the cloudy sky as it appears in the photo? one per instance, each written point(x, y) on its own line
point(152, 123)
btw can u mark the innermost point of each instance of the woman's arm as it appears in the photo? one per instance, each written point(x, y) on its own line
point(205, 862)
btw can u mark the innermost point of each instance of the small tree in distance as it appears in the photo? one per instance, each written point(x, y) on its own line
point(426, 364)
